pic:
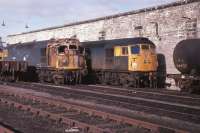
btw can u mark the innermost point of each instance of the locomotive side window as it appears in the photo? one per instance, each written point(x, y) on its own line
point(124, 50)
point(145, 47)
point(135, 49)
point(152, 46)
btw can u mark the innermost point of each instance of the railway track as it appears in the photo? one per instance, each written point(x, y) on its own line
point(68, 117)
point(4, 128)
point(185, 112)
point(182, 112)
point(159, 94)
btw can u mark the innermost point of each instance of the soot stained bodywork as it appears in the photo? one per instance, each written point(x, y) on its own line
point(127, 62)
point(33, 52)
point(57, 60)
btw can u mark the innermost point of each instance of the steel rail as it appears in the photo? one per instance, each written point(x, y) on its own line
point(120, 119)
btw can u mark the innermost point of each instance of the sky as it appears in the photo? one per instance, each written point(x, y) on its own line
point(38, 14)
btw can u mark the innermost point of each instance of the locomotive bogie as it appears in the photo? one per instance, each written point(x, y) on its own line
point(127, 78)
point(59, 76)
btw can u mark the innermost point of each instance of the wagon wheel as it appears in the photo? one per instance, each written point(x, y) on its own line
point(185, 85)
point(79, 78)
point(125, 82)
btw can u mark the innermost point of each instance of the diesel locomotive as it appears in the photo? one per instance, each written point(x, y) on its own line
point(57, 60)
point(130, 62)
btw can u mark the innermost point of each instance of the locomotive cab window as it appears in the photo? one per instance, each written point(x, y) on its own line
point(73, 47)
point(145, 47)
point(135, 49)
point(62, 49)
point(152, 47)
point(124, 50)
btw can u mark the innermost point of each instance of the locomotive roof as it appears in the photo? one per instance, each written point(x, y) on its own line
point(42, 43)
point(118, 42)
point(45, 42)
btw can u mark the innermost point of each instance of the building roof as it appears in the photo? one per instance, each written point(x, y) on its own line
point(173, 4)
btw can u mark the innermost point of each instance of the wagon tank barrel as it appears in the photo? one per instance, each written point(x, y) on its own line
point(186, 56)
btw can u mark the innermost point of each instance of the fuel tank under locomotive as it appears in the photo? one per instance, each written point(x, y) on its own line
point(186, 56)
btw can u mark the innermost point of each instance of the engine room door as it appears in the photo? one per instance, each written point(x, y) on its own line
point(52, 56)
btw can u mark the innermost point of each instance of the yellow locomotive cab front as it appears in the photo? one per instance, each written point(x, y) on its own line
point(141, 57)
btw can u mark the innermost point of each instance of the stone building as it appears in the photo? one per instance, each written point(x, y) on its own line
point(165, 25)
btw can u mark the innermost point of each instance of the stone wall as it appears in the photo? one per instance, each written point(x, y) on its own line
point(165, 25)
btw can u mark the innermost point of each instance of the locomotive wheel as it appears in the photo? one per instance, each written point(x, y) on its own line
point(41, 79)
point(57, 79)
point(125, 83)
point(100, 77)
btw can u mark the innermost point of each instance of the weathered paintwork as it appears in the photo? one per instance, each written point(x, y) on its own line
point(144, 61)
point(114, 63)
point(3, 54)
point(33, 52)
point(108, 55)
point(65, 54)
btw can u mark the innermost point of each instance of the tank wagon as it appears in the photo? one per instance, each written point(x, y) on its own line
point(59, 61)
point(186, 59)
point(128, 62)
